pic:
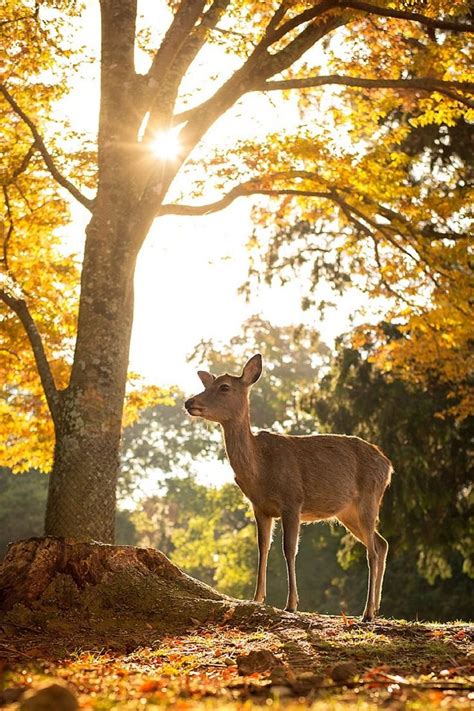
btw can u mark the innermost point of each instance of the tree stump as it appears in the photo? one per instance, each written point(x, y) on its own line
point(64, 579)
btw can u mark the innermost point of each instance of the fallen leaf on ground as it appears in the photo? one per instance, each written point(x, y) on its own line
point(346, 619)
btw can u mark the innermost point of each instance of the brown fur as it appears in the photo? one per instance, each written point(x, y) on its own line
point(298, 479)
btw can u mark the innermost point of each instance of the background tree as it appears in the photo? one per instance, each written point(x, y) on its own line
point(404, 206)
point(428, 508)
point(291, 356)
point(163, 438)
point(23, 506)
point(272, 50)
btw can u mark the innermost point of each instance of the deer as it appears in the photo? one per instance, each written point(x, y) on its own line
point(298, 479)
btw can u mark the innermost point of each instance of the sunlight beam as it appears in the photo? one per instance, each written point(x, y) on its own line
point(166, 144)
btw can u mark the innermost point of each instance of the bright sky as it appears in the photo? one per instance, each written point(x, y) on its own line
point(186, 282)
point(190, 269)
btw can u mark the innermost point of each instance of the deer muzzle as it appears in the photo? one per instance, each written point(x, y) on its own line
point(193, 408)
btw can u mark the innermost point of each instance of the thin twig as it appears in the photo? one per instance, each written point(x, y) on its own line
point(14, 651)
point(10, 228)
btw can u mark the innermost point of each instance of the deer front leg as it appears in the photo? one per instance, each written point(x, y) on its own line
point(291, 528)
point(372, 561)
point(264, 535)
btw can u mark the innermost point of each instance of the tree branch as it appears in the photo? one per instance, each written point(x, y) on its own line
point(182, 43)
point(19, 306)
point(243, 190)
point(259, 66)
point(275, 33)
point(348, 212)
point(406, 15)
point(173, 59)
point(426, 84)
point(389, 288)
point(58, 177)
point(357, 216)
point(22, 165)
point(184, 20)
point(353, 214)
point(34, 16)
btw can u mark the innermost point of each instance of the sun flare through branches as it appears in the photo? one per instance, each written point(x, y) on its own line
point(167, 145)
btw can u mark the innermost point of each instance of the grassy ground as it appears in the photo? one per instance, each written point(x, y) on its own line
point(310, 661)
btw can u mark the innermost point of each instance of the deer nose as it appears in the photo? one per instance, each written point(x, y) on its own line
point(189, 403)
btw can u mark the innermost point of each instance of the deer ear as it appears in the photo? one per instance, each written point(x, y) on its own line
point(252, 370)
point(206, 378)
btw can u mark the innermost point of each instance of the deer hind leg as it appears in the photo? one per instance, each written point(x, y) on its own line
point(382, 550)
point(291, 529)
point(264, 535)
point(361, 523)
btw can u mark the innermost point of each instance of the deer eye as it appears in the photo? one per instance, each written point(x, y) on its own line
point(224, 388)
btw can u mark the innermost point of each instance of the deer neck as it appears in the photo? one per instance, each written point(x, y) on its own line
point(241, 449)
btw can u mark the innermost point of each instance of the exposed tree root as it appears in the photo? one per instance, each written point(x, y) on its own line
point(46, 578)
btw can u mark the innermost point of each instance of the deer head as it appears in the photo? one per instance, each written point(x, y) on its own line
point(225, 397)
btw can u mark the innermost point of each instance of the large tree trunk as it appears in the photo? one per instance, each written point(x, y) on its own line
point(81, 497)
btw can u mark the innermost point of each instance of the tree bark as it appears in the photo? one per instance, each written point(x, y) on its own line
point(81, 497)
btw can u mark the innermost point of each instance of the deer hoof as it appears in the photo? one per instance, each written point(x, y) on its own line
point(366, 617)
point(291, 608)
